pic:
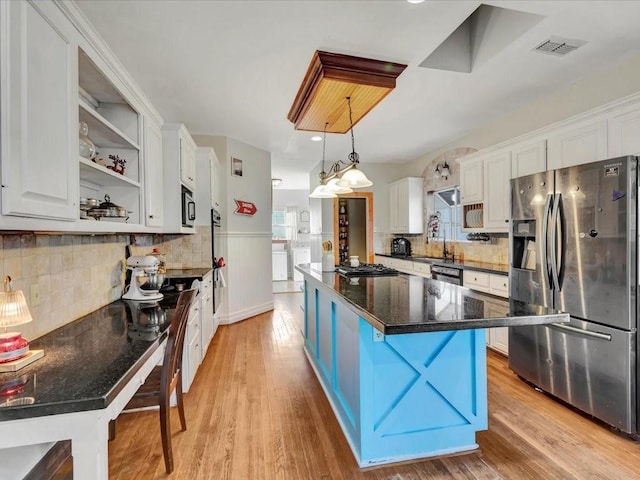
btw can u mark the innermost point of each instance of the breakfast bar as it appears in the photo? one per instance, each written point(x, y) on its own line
point(402, 360)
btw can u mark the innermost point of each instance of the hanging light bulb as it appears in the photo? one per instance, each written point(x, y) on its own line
point(445, 170)
point(322, 190)
point(352, 177)
point(332, 185)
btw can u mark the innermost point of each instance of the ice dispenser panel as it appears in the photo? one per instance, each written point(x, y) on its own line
point(524, 244)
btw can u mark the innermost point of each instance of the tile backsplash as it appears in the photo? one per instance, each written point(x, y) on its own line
point(495, 251)
point(65, 277)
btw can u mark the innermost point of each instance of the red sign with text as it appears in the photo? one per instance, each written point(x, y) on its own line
point(245, 208)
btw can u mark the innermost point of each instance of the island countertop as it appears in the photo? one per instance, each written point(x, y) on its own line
point(412, 304)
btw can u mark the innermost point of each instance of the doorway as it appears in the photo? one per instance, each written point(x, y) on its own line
point(353, 227)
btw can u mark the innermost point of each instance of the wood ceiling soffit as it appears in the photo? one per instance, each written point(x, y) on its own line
point(330, 78)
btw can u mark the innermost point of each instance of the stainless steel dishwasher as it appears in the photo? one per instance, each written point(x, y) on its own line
point(447, 274)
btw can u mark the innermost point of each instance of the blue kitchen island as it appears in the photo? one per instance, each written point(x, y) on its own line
point(402, 359)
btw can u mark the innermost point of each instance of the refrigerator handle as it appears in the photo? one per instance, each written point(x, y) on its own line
point(554, 243)
point(545, 235)
point(579, 331)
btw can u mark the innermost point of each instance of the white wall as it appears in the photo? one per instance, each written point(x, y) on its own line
point(291, 198)
point(245, 240)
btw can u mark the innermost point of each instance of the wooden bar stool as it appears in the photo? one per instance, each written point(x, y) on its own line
point(166, 378)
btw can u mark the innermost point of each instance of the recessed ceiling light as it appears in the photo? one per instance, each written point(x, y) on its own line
point(415, 1)
point(316, 138)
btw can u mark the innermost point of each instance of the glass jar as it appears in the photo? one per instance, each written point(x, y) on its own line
point(87, 147)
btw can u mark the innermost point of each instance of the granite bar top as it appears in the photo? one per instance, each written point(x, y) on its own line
point(88, 361)
point(412, 304)
point(464, 264)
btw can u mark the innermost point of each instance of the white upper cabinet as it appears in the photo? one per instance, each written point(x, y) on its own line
point(206, 170)
point(188, 162)
point(471, 180)
point(405, 205)
point(528, 158)
point(153, 178)
point(39, 127)
point(216, 182)
point(177, 145)
point(484, 191)
point(497, 176)
point(624, 132)
point(579, 143)
point(55, 77)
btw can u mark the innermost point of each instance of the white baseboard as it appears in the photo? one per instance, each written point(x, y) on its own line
point(240, 315)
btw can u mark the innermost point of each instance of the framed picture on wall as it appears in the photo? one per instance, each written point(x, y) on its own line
point(236, 167)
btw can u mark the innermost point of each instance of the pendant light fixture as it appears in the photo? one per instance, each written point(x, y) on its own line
point(322, 190)
point(351, 176)
point(341, 180)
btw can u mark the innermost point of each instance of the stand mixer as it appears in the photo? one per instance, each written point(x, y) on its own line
point(143, 266)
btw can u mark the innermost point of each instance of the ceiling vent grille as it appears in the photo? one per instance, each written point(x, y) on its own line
point(558, 46)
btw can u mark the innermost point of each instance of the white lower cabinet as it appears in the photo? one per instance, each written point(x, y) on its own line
point(498, 285)
point(421, 269)
point(192, 350)
point(279, 267)
point(207, 320)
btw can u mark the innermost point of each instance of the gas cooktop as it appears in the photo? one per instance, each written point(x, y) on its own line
point(366, 270)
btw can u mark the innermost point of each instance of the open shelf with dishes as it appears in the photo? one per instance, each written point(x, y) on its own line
point(473, 216)
point(110, 135)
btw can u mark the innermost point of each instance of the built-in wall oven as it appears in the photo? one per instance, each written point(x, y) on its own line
point(447, 274)
point(216, 256)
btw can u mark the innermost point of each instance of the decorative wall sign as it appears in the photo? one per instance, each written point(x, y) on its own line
point(236, 167)
point(245, 208)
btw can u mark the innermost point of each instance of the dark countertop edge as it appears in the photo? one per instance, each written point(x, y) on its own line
point(515, 321)
point(117, 388)
point(475, 324)
point(436, 261)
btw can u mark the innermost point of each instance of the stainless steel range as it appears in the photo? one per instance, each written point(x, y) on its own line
point(366, 270)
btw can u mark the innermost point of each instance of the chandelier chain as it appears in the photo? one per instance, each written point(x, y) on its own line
point(353, 156)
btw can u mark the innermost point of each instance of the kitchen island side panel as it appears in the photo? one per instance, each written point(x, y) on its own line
point(423, 394)
point(396, 397)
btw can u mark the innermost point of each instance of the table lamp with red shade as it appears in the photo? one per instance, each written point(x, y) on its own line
point(14, 348)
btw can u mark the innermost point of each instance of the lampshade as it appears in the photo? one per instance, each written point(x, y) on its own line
point(332, 186)
point(13, 308)
point(354, 178)
point(321, 191)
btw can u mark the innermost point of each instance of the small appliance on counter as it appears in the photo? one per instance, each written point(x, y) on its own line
point(144, 289)
point(401, 247)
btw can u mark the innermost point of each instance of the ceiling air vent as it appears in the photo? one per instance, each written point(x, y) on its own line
point(558, 46)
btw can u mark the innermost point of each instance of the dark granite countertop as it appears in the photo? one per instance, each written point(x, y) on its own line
point(464, 264)
point(412, 304)
point(88, 361)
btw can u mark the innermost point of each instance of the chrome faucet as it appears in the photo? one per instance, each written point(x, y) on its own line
point(445, 252)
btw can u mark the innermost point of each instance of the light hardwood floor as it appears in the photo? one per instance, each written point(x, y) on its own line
point(257, 412)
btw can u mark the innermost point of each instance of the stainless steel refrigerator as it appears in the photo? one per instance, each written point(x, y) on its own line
point(573, 247)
